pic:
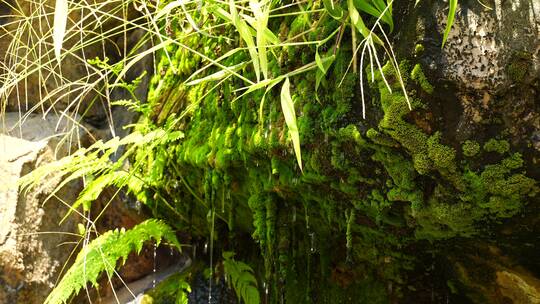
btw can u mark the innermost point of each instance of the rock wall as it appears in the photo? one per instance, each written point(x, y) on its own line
point(396, 207)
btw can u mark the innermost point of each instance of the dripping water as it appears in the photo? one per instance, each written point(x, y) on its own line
point(223, 200)
point(265, 287)
point(154, 267)
point(312, 240)
point(211, 257)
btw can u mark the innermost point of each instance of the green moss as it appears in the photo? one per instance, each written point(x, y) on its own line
point(498, 146)
point(470, 148)
point(519, 66)
point(399, 185)
point(418, 76)
point(419, 49)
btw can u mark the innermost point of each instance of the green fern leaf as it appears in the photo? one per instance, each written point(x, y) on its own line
point(242, 278)
point(103, 253)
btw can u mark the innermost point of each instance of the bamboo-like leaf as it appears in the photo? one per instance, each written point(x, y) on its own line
point(218, 75)
point(287, 106)
point(59, 27)
point(244, 31)
point(223, 14)
point(449, 20)
point(323, 64)
point(359, 24)
point(356, 19)
point(261, 21)
point(376, 10)
point(333, 9)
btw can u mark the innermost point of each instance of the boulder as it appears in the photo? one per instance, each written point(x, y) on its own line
point(33, 245)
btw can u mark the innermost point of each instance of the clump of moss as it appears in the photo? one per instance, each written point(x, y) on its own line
point(470, 148)
point(418, 76)
point(419, 49)
point(498, 146)
point(519, 66)
point(398, 183)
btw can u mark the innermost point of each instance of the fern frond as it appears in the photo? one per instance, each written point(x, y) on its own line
point(243, 279)
point(103, 253)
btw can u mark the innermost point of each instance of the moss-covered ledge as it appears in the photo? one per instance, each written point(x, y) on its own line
point(380, 202)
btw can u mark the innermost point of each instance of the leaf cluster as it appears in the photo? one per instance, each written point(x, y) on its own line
point(103, 253)
point(242, 279)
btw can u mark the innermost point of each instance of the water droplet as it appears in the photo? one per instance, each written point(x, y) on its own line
point(312, 238)
point(154, 267)
point(205, 247)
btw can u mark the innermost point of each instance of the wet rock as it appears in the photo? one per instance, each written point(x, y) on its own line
point(202, 293)
point(519, 288)
point(33, 245)
point(487, 76)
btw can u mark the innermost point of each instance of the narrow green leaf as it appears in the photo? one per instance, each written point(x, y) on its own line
point(359, 24)
point(218, 75)
point(244, 31)
point(261, 21)
point(333, 9)
point(323, 64)
point(287, 107)
point(450, 20)
point(59, 26)
point(356, 19)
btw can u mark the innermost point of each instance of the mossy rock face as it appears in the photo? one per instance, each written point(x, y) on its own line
point(377, 200)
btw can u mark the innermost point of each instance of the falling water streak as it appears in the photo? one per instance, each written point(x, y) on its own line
point(154, 269)
point(312, 238)
point(211, 258)
point(265, 287)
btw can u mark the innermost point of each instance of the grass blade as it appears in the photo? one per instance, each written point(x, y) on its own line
point(244, 31)
point(450, 20)
point(287, 107)
point(261, 16)
point(218, 75)
point(59, 27)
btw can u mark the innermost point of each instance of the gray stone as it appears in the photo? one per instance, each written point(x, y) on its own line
point(33, 245)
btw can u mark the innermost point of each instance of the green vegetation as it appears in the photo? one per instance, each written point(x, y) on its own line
point(313, 201)
point(103, 253)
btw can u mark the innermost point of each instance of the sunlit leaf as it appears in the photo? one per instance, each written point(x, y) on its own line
point(218, 75)
point(450, 20)
point(323, 64)
point(287, 107)
point(244, 31)
point(333, 9)
point(261, 21)
point(59, 27)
